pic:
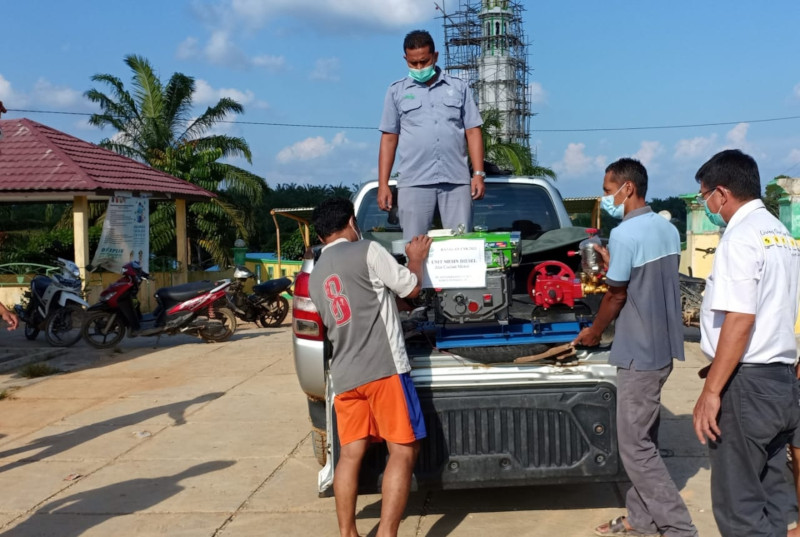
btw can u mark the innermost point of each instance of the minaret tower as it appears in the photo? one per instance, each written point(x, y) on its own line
point(485, 44)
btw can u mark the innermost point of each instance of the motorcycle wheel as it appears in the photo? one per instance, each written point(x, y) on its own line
point(228, 320)
point(63, 326)
point(275, 313)
point(31, 331)
point(94, 326)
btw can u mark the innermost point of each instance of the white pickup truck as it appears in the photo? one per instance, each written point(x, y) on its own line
point(491, 422)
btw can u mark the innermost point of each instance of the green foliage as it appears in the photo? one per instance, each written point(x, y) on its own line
point(38, 369)
point(42, 245)
point(287, 196)
point(155, 124)
point(294, 248)
point(509, 155)
point(677, 208)
point(772, 195)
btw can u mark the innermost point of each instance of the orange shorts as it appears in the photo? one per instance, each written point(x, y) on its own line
point(386, 408)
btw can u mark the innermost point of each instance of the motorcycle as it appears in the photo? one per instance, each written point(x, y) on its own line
point(54, 304)
point(265, 305)
point(197, 308)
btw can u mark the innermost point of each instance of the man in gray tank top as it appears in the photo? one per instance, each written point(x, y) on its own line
point(353, 285)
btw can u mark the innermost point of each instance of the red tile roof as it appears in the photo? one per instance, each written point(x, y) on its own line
point(37, 159)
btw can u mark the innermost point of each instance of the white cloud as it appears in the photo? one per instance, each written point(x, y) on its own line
point(385, 14)
point(576, 162)
point(536, 93)
point(9, 96)
point(694, 147)
point(204, 94)
point(796, 91)
point(221, 50)
point(326, 69)
point(648, 151)
point(270, 63)
point(793, 157)
point(737, 136)
point(188, 49)
point(308, 149)
point(44, 92)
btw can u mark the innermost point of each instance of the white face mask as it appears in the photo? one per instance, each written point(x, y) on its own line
point(607, 203)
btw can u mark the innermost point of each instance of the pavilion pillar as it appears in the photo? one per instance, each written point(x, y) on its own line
point(80, 230)
point(181, 240)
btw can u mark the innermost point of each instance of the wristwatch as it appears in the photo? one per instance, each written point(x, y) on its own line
point(476, 172)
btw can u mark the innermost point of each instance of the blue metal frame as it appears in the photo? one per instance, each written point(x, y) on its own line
point(510, 334)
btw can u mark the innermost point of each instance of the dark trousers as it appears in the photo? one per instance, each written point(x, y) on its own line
point(759, 410)
point(653, 502)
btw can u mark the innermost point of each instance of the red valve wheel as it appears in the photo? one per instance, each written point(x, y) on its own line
point(550, 274)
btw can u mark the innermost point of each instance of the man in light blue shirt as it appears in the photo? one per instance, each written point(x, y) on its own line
point(430, 122)
point(644, 298)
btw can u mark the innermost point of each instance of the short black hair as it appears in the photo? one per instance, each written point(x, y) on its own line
point(418, 39)
point(630, 169)
point(332, 215)
point(734, 170)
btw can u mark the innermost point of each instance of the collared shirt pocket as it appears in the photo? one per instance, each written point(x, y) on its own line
point(411, 111)
point(452, 110)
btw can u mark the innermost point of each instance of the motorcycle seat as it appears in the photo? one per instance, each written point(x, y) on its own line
point(185, 291)
point(272, 287)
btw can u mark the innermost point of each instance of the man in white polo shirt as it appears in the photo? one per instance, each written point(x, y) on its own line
point(749, 403)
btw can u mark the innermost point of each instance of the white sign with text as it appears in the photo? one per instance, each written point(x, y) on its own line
point(456, 263)
point(126, 233)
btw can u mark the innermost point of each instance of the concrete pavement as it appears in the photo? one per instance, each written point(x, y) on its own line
point(196, 439)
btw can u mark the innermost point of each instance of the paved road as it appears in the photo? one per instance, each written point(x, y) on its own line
point(196, 439)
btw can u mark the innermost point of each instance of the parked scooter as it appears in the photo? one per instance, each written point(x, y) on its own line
point(197, 308)
point(54, 304)
point(265, 305)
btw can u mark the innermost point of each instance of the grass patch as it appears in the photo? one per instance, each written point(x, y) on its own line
point(39, 369)
point(4, 395)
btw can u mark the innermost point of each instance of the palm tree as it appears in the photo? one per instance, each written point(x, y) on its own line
point(509, 155)
point(154, 124)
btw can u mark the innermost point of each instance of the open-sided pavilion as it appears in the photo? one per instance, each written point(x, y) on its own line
point(39, 164)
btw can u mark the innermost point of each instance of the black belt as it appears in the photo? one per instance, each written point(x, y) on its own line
point(771, 364)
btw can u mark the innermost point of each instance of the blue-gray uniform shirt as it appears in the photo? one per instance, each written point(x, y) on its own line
point(645, 251)
point(431, 121)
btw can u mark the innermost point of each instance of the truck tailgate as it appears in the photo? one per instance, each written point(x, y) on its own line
point(489, 436)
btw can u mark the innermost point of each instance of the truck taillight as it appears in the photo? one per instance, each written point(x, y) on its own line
point(306, 322)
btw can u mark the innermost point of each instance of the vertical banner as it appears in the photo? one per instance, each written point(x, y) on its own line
point(126, 233)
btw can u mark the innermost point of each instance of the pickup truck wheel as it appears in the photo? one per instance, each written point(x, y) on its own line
point(320, 440)
point(499, 353)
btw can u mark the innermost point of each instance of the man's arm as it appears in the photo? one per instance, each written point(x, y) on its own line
point(475, 149)
point(610, 307)
point(733, 337)
point(386, 155)
point(416, 252)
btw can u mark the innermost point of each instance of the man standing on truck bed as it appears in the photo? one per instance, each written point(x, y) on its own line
point(644, 296)
point(353, 286)
point(430, 120)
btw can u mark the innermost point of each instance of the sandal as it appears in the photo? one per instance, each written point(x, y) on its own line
point(617, 527)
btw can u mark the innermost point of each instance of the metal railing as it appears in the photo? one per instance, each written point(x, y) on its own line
point(22, 273)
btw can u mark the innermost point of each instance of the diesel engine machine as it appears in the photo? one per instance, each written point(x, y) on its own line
point(487, 315)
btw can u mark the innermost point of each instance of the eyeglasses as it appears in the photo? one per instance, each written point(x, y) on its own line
point(701, 197)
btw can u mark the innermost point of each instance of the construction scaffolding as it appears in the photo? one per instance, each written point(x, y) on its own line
point(485, 44)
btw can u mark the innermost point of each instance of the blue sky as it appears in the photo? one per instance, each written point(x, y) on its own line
point(595, 65)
